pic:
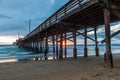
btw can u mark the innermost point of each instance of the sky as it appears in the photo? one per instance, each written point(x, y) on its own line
point(15, 15)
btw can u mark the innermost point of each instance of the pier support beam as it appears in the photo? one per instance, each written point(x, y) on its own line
point(41, 46)
point(65, 50)
point(96, 43)
point(53, 39)
point(46, 47)
point(33, 45)
point(108, 54)
point(56, 46)
point(85, 43)
point(61, 46)
point(74, 49)
point(36, 47)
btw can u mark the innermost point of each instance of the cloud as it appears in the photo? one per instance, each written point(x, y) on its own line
point(7, 39)
point(115, 27)
point(15, 14)
point(2, 16)
point(36, 10)
point(52, 1)
point(13, 27)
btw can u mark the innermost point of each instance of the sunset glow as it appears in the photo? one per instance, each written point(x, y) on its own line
point(4, 40)
point(67, 43)
point(63, 43)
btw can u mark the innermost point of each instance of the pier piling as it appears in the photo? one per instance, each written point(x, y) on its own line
point(46, 47)
point(61, 46)
point(41, 50)
point(74, 49)
point(65, 49)
point(53, 41)
point(56, 46)
point(96, 43)
point(85, 43)
point(108, 54)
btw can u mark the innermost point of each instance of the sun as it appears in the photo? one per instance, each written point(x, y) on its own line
point(63, 43)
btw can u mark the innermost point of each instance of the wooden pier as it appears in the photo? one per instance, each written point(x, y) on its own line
point(74, 16)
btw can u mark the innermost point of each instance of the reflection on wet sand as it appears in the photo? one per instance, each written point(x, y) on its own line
point(8, 60)
point(27, 59)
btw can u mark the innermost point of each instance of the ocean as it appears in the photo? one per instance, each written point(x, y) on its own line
point(11, 53)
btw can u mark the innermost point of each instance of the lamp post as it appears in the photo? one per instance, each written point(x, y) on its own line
point(29, 25)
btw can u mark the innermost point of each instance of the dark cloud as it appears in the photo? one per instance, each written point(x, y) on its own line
point(2, 16)
point(15, 14)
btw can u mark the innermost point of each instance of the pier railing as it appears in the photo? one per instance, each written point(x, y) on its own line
point(59, 15)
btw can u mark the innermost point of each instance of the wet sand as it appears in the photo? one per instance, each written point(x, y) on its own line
point(91, 68)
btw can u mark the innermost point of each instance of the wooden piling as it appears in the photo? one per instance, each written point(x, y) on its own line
point(74, 49)
point(33, 45)
point(53, 39)
point(36, 47)
point(96, 43)
point(108, 54)
point(56, 46)
point(46, 47)
point(65, 50)
point(41, 46)
point(85, 43)
point(61, 46)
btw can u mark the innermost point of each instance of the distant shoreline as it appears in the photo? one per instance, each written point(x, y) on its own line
point(6, 45)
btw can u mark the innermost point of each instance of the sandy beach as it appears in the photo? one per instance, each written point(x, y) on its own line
point(91, 68)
